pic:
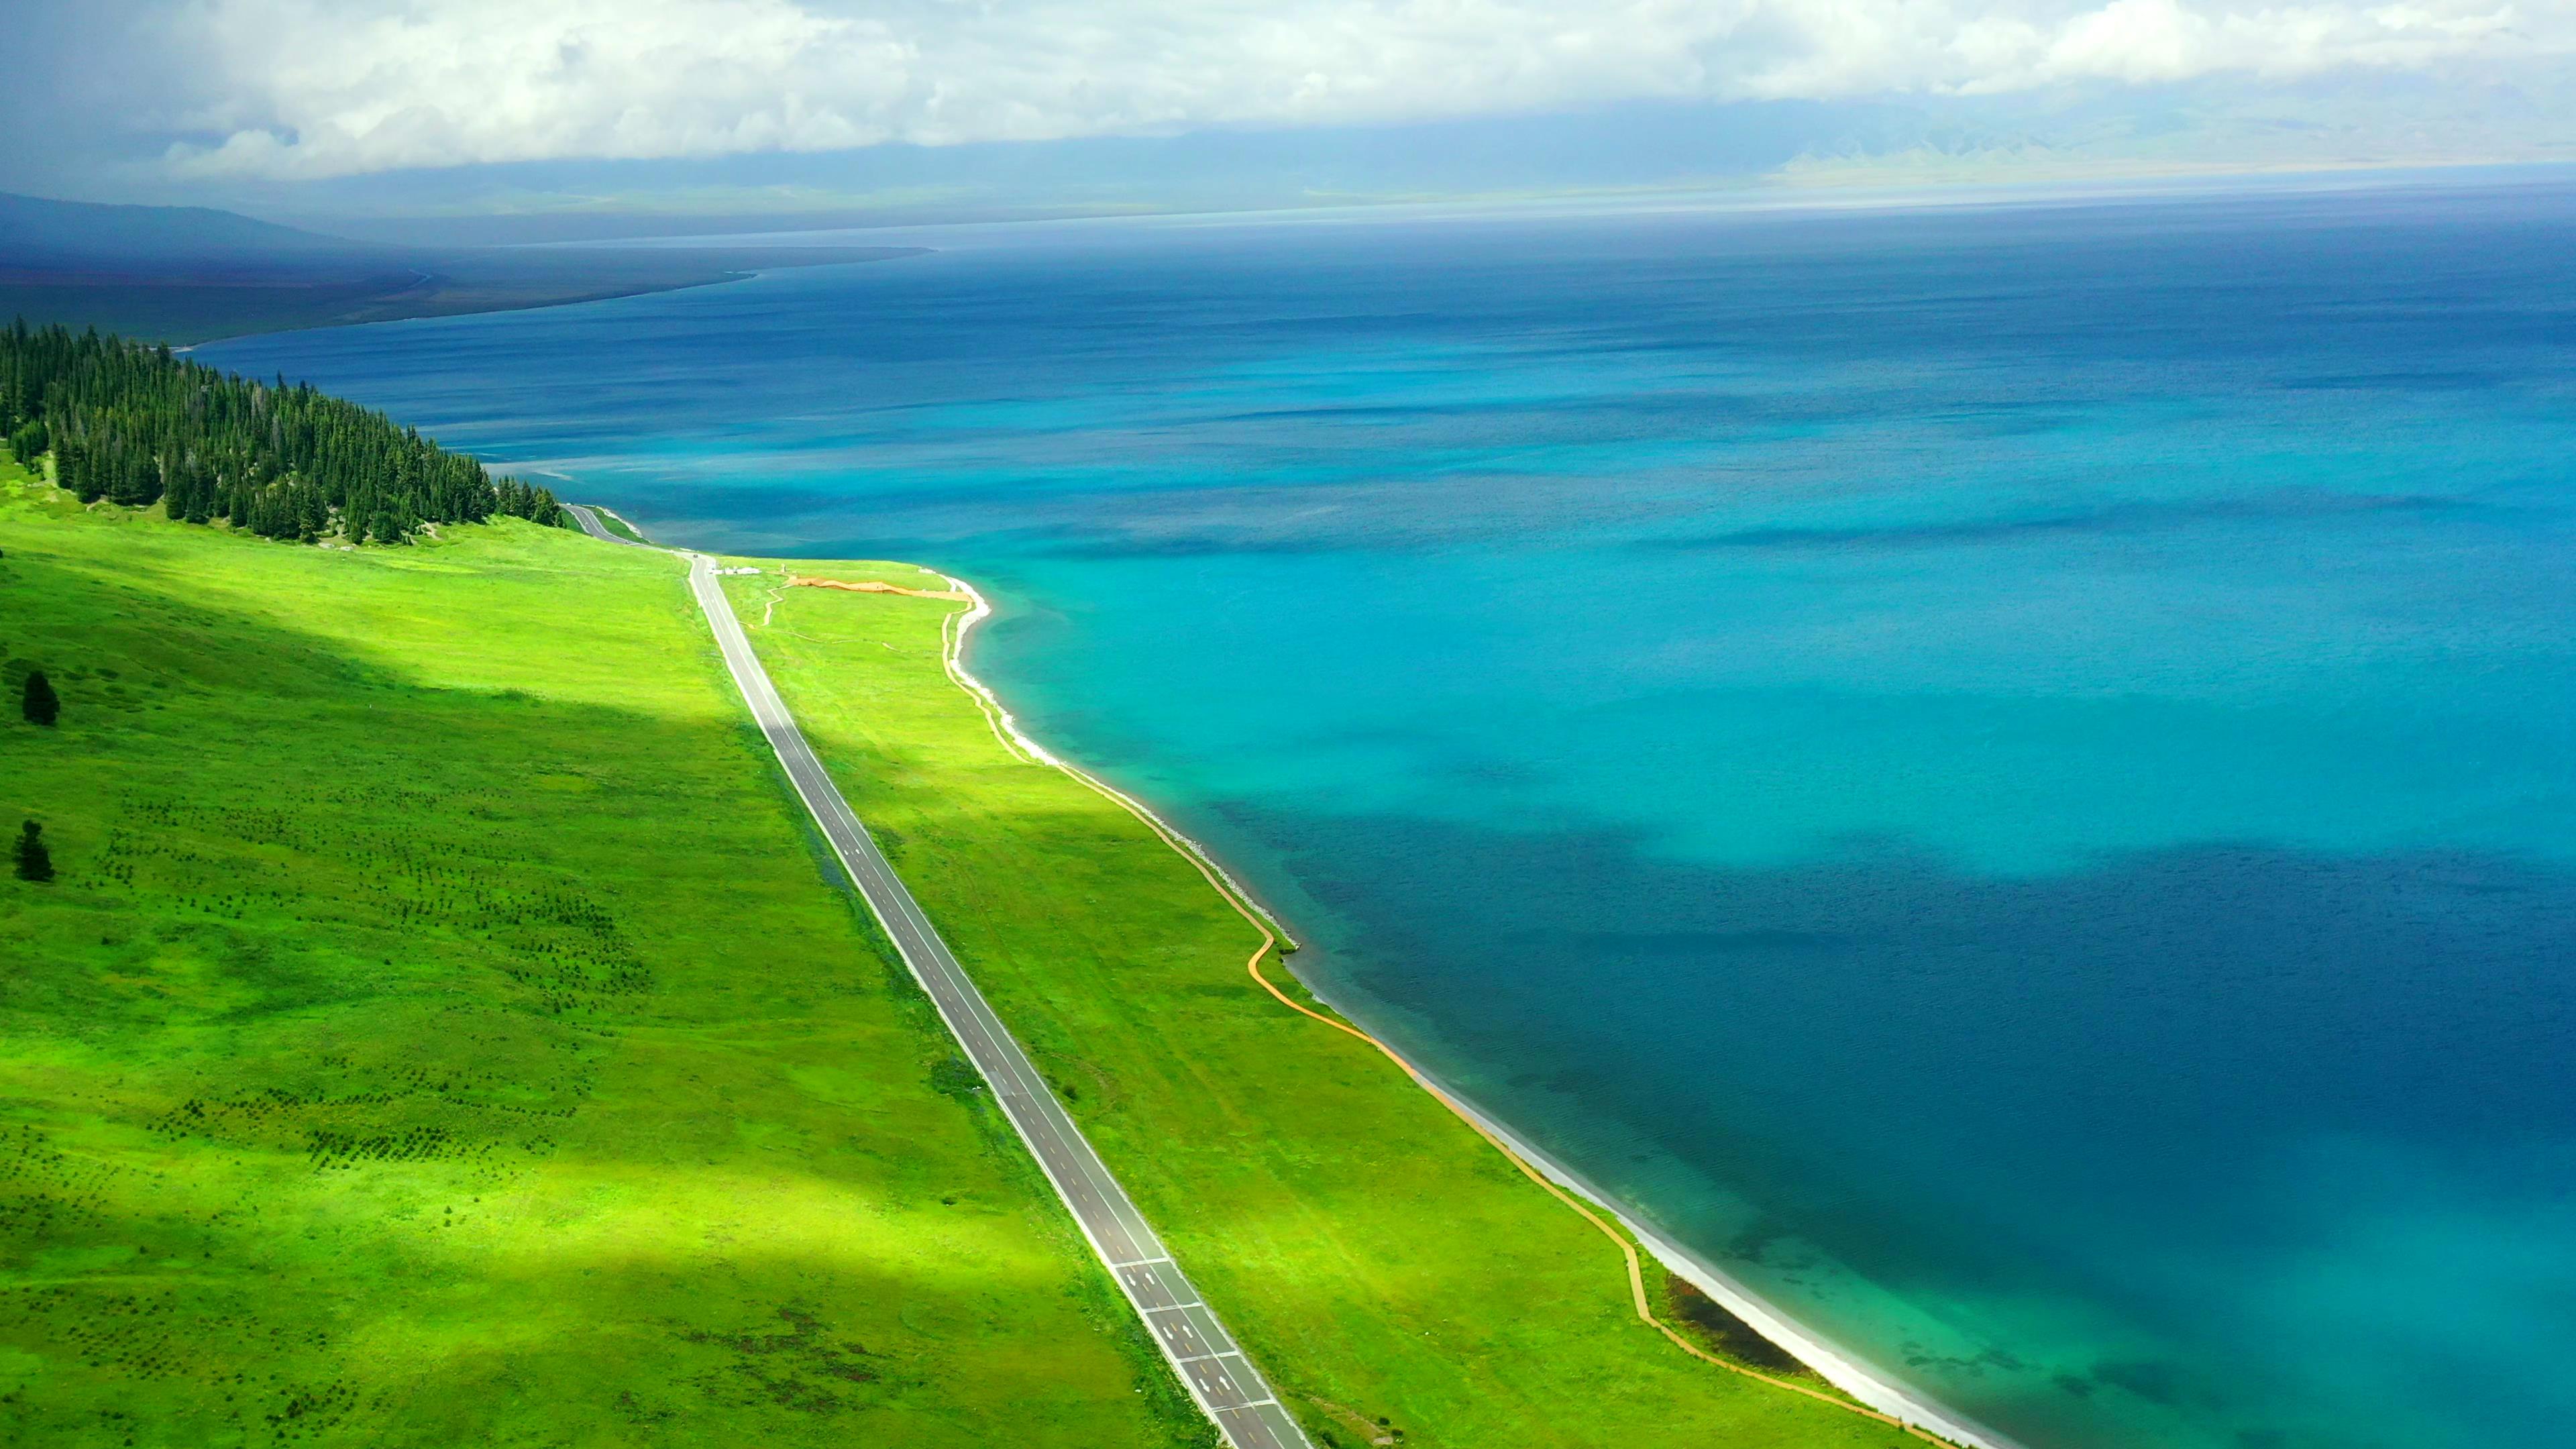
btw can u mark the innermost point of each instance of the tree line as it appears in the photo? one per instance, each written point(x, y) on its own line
point(137, 425)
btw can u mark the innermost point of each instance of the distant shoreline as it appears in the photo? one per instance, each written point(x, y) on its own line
point(189, 310)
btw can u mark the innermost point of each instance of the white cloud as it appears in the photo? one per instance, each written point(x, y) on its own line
point(306, 88)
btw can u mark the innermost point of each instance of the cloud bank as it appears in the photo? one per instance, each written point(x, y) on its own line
point(305, 89)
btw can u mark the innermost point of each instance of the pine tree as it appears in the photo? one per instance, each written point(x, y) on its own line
point(39, 702)
point(34, 861)
point(134, 425)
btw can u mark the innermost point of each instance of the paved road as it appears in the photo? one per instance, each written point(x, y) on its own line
point(1218, 1375)
point(591, 525)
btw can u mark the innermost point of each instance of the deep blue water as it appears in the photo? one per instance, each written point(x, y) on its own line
point(2005, 773)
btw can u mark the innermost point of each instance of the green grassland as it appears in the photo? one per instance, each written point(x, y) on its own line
point(1379, 1260)
point(444, 1029)
point(440, 1032)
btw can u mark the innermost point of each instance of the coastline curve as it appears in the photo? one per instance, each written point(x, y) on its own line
point(1878, 1394)
point(1006, 728)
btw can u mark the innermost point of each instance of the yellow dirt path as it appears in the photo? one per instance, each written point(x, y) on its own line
point(872, 586)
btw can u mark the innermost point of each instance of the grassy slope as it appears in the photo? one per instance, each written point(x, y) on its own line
point(438, 1036)
point(1378, 1258)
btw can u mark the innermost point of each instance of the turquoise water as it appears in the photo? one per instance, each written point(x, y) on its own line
point(2003, 773)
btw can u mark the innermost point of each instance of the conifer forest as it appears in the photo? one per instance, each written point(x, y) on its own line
point(138, 425)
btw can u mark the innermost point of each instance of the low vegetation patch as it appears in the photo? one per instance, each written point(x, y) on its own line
point(1706, 1322)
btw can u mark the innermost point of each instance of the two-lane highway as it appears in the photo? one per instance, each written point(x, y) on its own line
point(1209, 1361)
point(583, 514)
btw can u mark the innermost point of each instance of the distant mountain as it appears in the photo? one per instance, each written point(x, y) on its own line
point(37, 234)
point(188, 273)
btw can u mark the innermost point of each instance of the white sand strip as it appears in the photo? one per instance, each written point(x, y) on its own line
point(1839, 1367)
point(1008, 730)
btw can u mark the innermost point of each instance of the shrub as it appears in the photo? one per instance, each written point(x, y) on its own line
point(41, 704)
point(34, 861)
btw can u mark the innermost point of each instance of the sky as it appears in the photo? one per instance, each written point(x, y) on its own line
point(908, 110)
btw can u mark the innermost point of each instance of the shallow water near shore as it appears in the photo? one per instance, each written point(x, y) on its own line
point(2003, 773)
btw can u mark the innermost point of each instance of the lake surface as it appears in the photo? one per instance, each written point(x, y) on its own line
point(2005, 773)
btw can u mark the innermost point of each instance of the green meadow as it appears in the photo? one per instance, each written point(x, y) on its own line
point(1385, 1266)
point(440, 1032)
point(442, 1028)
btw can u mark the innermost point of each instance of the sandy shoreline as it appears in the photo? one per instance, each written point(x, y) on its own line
point(1837, 1366)
point(1007, 729)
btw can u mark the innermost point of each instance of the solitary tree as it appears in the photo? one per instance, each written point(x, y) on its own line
point(40, 702)
point(34, 861)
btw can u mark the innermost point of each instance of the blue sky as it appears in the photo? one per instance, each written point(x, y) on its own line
point(846, 110)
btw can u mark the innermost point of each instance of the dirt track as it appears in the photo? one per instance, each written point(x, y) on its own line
point(872, 586)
